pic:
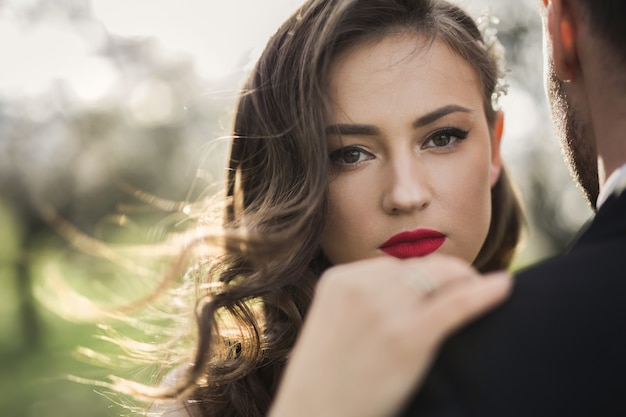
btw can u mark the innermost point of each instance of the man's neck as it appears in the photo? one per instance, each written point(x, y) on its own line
point(606, 103)
point(600, 87)
point(614, 183)
point(609, 125)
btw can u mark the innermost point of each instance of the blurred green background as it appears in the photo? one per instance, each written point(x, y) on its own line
point(95, 94)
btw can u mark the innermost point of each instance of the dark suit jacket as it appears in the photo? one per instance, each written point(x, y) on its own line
point(556, 348)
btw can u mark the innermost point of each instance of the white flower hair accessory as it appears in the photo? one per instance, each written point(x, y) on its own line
point(486, 24)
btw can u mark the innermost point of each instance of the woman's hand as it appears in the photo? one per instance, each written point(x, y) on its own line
point(372, 332)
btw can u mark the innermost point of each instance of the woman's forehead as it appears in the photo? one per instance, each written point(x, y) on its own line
point(400, 71)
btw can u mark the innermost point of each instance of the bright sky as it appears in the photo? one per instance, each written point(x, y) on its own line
point(215, 32)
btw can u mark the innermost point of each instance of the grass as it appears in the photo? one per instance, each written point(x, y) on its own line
point(37, 346)
point(33, 380)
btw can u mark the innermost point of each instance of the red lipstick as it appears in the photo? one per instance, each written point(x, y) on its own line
point(420, 242)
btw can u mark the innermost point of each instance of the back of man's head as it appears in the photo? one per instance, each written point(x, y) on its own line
point(606, 19)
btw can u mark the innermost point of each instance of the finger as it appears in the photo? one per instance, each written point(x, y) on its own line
point(426, 275)
point(458, 304)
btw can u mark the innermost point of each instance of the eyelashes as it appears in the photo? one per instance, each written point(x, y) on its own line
point(445, 138)
point(350, 156)
point(442, 140)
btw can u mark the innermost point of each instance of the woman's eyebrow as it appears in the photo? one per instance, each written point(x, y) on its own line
point(438, 114)
point(371, 130)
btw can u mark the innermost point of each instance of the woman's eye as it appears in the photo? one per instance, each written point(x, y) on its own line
point(445, 138)
point(349, 156)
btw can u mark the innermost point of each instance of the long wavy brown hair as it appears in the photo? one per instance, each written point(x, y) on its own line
point(252, 299)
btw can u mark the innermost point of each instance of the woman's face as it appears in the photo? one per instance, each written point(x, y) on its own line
point(411, 151)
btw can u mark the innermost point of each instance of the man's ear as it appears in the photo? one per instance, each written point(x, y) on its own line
point(496, 139)
point(562, 29)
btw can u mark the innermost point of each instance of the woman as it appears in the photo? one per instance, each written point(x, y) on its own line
point(365, 134)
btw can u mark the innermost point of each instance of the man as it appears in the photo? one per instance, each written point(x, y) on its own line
point(558, 346)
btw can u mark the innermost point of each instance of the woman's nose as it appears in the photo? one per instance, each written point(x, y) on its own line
point(407, 188)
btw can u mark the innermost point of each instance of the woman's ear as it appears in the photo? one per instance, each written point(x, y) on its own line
point(562, 31)
point(496, 139)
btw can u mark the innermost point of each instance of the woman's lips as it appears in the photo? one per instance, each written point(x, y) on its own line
point(420, 242)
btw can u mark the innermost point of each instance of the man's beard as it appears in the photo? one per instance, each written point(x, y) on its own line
point(576, 138)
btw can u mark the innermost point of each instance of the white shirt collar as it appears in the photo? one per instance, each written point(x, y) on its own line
point(616, 183)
